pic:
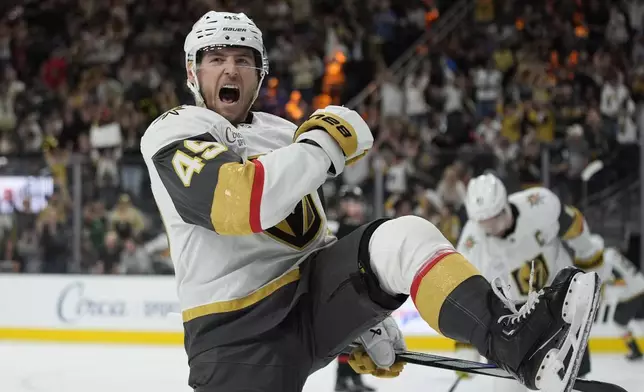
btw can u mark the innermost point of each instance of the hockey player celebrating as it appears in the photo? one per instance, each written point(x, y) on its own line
point(267, 296)
point(517, 243)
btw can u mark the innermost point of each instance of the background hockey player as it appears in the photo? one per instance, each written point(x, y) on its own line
point(351, 215)
point(267, 297)
point(626, 291)
point(517, 242)
point(352, 210)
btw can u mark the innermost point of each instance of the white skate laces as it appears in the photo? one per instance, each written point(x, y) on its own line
point(525, 310)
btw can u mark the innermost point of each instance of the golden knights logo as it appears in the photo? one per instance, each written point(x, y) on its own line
point(174, 111)
point(299, 228)
point(469, 242)
point(521, 275)
point(535, 199)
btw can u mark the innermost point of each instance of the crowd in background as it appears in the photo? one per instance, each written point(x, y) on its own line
point(525, 79)
point(80, 80)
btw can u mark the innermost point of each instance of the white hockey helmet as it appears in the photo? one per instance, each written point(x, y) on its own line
point(221, 29)
point(486, 197)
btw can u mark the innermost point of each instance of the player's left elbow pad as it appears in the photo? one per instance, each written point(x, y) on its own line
point(590, 255)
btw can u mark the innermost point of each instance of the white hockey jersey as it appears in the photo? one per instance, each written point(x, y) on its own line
point(542, 223)
point(239, 204)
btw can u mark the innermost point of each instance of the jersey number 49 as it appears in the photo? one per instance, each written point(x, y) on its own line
point(186, 165)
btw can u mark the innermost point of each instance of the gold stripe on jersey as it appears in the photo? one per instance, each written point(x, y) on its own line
point(244, 302)
point(231, 207)
point(576, 227)
point(591, 262)
point(336, 126)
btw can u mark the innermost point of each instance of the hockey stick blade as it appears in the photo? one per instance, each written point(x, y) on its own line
point(486, 369)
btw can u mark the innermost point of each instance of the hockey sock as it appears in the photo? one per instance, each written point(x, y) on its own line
point(452, 297)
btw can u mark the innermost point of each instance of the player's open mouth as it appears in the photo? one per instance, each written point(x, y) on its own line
point(229, 93)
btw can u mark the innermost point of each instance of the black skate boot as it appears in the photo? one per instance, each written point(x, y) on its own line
point(343, 384)
point(634, 352)
point(360, 386)
point(542, 343)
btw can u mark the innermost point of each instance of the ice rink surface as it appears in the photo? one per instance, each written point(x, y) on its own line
point(27, 367)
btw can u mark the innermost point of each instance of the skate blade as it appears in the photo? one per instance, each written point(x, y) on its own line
point(581, 288)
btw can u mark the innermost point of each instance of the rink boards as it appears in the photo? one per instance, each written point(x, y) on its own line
point(144, 310)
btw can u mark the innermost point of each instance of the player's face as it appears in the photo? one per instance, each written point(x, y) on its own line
point(228, 79)
point(498, 224)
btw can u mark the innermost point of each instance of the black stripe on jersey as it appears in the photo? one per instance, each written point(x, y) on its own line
point(565, 220)
point(571, 222)
point(189, 170)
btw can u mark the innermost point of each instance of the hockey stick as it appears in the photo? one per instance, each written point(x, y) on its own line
point(455, 384)
point(486, 369)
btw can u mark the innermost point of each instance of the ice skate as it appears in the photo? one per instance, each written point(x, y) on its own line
point(343, 384)
point(360, 386)
point(634, 352)
point(543, 342)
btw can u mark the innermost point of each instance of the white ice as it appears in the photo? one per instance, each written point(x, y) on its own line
point(27, 367)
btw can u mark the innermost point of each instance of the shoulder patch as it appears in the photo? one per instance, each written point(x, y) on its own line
point(535, 199)
point(174, 111)
point(469, 242)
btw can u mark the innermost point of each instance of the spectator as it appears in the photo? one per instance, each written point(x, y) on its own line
point(617, 33)
point(126, 220)
point(614, 100)
point(529, 163)
point(451, 189)
point(96, 224)
point(449, 224)
point(506, 154)
point(454, 95)
point(540, 119)
point(305, 70)
point(577, 157)
point(109, 255)
point(391, 97)
point(135, 259)
point(54, 241)
point(488, 130)
point(415, 105)
point(488, 81)
point(599, 140)
point(10, 88)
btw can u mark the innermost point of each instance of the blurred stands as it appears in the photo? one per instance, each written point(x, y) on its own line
point(532, 90)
